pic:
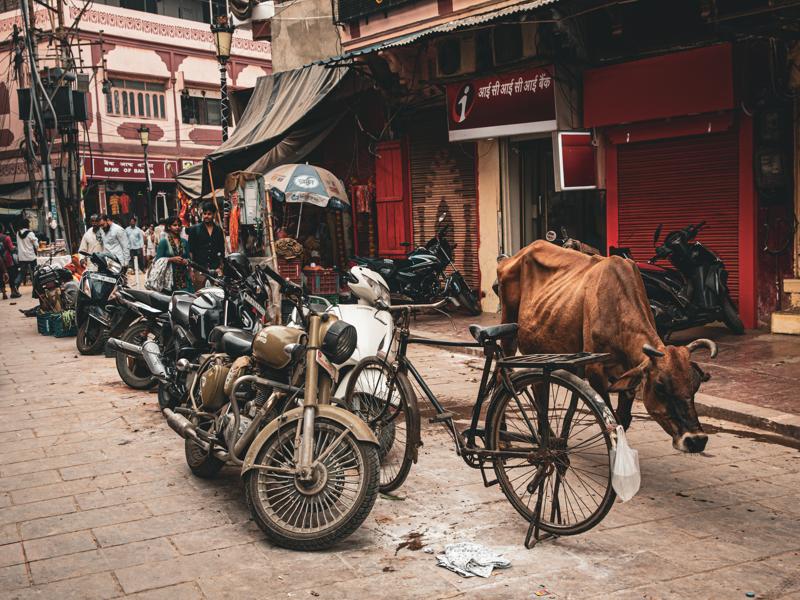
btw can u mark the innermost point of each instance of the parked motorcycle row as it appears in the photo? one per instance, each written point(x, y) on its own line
point(692, 292)
point(266, 399)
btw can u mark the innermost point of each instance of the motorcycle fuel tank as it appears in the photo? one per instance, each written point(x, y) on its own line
point(206, 312)
point(269, 344)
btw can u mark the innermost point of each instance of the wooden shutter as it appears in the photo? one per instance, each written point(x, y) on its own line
point(443, 179)
point(677, 182)
point(391, 200)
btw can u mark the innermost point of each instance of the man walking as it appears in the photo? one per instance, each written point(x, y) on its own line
point(206, 245)
point(27, 245)
point(135, 243)
point(114, 240)
point(89, 242)
point(7, 266)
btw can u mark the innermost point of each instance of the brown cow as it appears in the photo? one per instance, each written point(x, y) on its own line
point(566, 301)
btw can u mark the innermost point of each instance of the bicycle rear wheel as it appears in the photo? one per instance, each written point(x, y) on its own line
point(386, 401)
point(560, 463)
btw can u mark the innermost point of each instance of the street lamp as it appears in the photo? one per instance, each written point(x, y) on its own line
point(144, 138)
point(223, 37)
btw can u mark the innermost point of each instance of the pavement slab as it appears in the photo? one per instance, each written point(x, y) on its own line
point(96, 502)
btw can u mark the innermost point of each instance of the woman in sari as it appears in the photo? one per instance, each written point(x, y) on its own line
point(176, 251)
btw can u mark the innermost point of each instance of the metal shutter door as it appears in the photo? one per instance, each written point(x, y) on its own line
point(677, 182)
point(443, 179)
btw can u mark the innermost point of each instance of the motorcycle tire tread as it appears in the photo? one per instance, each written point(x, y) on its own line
point(96, 347)
point(131, 380)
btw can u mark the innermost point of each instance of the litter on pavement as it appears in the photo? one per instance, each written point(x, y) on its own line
point(468, 560)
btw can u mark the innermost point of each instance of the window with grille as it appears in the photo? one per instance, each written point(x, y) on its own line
point(142, 99)
point(199, 110)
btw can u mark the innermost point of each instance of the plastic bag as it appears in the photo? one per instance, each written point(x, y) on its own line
point(625, 475)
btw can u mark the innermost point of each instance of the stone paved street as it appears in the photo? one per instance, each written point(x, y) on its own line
point(96, 502)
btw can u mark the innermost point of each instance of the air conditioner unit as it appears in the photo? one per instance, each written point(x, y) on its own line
point(455, 55)
point(513, 42)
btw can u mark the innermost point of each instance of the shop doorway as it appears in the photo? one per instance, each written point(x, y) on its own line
point(532, 206)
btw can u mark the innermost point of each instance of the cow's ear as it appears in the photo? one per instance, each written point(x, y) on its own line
point(703, 375)
point(629, 380)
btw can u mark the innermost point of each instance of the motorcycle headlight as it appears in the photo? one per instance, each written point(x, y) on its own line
point(113, 266)
point(339, 342)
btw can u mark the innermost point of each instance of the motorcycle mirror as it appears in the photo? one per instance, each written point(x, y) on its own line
point(564, 233)
point(657, 233)
point(550, 236)
point(442, 216)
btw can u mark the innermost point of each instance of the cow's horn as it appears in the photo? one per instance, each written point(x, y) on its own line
point(703, 343)
point(652, 352)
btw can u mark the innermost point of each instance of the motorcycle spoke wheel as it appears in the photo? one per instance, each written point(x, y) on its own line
point(317, 513)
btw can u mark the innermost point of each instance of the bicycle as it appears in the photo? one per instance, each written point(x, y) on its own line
point(547, 435)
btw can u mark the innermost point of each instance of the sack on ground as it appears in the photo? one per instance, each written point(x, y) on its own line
point(625, 475)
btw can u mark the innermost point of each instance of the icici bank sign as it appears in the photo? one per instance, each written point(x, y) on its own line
point(501, 105)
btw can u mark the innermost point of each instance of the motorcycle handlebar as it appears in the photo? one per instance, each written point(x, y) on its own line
point(287, 287)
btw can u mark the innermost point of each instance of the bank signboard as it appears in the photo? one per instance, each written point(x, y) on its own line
point(130, 169)
point(515, 103)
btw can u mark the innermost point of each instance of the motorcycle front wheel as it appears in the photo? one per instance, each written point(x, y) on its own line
point(91, 337)
point(730, 316)
point(132, 369)
point(318, 513)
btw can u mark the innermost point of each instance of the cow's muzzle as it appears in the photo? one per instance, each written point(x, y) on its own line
point(691, 442)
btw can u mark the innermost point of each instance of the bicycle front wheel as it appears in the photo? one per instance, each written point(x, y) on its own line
point(386, 401)
point(557, 460)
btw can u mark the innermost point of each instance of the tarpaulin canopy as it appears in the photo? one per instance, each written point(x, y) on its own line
point(284, 121)
point(18, 196)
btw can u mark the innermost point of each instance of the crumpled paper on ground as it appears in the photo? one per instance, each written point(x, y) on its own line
point(468, 560)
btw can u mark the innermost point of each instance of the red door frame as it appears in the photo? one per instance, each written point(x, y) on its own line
point(747, 196)
point(405, 168)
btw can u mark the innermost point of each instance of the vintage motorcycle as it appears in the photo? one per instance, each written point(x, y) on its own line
point(694, 292)
point(263, 402)
point(422, 276)
point(238, 299)
point(55, 288)
point(98, 315)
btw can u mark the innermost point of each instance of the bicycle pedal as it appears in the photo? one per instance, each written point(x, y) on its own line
point(441, 417)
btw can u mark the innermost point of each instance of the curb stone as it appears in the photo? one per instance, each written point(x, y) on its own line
point(757, 417)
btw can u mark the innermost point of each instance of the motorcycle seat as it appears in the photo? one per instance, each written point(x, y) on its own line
point(235, 343)
point(493, 333)
point(155, 299)
point(216, 334)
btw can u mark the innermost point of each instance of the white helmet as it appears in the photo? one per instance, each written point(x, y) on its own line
point(368, 286)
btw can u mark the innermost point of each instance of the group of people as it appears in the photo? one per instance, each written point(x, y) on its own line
point(202, 243)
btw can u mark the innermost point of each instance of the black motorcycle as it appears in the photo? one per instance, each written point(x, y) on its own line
point(182, 334)
point(98, 314)
point(422, 276)
point(694, 292)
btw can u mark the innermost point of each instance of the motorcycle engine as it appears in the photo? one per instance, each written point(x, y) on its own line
point(244, 423)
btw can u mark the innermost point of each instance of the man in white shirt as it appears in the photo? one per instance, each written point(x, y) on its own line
point(27, 245)
point(89, 241)
point(135, 243)
point(114, 239)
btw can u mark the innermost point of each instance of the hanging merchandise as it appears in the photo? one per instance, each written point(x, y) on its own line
point(233, 224)
point(251, 202)
point(113, 202)
point(125, 203)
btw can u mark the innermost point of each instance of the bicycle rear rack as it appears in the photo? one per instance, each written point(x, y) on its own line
point(551, 362)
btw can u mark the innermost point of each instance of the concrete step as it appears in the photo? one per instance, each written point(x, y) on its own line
point(786, 321)
point(792, 287)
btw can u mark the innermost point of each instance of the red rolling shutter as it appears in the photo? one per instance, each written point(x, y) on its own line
point(680, 181)
point(443, 179)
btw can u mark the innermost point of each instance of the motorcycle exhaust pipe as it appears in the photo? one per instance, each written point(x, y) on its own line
point(127, 348)
point(152, 357)
point(181, 425)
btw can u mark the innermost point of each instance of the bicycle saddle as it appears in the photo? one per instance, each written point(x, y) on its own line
point(496, 332)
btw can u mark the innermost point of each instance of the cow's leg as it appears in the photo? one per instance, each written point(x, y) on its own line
point(624, 406)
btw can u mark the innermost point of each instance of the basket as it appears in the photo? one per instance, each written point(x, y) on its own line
point(43, 323)
point(291, 269)
point(57, 328)
point(322, 282)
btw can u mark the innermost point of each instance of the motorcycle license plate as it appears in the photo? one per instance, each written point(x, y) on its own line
point(252, 301)
point(105, 278)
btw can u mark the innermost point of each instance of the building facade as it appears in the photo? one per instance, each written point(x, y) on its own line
point(140, 64)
